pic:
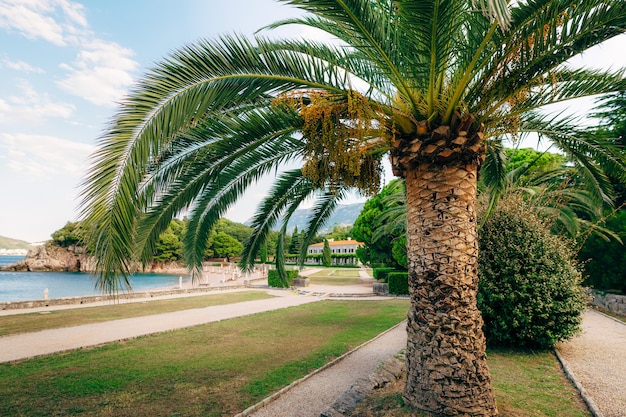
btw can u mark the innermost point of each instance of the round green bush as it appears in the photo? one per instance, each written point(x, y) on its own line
point(530, 290)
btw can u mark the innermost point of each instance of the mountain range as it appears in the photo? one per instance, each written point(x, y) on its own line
point(344, 215)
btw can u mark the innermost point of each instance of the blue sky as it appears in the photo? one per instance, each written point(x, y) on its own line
point(63, 66)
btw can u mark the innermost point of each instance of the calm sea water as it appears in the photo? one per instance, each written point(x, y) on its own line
point(21, 286)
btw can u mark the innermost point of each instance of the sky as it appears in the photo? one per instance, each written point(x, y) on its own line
point(63, 67)
point(65, 64)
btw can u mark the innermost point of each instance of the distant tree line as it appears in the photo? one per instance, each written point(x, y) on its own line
point(225, 240)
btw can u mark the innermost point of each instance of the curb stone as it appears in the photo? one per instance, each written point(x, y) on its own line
point(263, 403)
point(591, 405)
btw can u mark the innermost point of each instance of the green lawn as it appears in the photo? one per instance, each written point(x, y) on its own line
point(215, 369)
point(335, 276)
point(222, 368)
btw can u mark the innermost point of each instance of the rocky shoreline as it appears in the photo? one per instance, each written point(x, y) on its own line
point(53, 258)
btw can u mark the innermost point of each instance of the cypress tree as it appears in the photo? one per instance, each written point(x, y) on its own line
point(326, 254)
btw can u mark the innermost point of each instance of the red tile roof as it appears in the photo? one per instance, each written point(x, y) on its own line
point(338, 242)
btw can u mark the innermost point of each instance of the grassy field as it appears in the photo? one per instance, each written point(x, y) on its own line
point(526, 384)
point(32, 322)
point(215, 369)
point(532, 384)
point(221, 368)
point(331, 276)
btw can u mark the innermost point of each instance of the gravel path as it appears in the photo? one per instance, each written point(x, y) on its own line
point(316, 393)
point(597, 358)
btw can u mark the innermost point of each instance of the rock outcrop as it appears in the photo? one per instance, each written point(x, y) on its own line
point(52, 258)
point(612, 302)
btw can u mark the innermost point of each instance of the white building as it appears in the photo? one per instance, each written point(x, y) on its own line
point(343, 252)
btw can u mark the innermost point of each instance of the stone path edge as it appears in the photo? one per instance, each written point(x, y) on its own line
point(591, 405)
point(263, 403)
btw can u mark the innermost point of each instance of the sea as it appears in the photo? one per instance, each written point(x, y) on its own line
point(24, 286)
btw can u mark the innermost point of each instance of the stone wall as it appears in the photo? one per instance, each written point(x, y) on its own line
point(611, 302)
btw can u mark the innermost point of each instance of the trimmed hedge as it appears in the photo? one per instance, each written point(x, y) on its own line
point(273, 280)
point(381, 273)
point(398, 283)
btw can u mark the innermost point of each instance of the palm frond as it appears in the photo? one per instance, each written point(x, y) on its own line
point(358, 24)
point(497, 10)
point(236, 154)
point(392, 220)
point(494, 175)
point(289, 187)
point(544, 35)
point(195, 82)
point(434, 30)
point(592, 156)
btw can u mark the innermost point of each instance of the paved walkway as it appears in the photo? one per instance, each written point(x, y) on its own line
point(597, 360)
point(26, 345)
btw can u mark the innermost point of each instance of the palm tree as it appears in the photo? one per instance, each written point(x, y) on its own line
point(434, 84)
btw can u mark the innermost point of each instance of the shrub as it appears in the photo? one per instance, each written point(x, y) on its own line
point(381, 273)
point(398, 283)
point(273, 280)
point(73, 233)
point(529, 283)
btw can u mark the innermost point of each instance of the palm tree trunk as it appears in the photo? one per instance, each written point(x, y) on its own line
point(447, 370)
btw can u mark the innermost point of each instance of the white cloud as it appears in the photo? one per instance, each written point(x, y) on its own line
point(101, 72)
point(50, 20)
point(21, 66)
point(31, 107)
point(73, 11)
point(39, 156)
